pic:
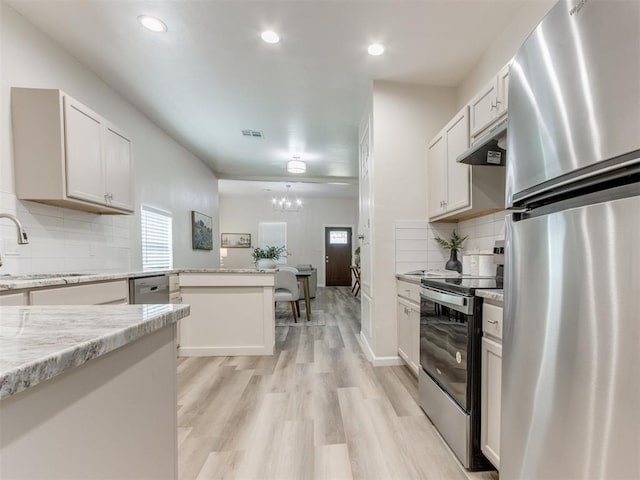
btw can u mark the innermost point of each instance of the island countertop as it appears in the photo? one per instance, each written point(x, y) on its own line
point(40, 342)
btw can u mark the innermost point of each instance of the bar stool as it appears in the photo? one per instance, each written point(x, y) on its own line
point(356, 283)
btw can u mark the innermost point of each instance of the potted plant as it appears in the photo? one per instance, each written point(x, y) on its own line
point(454, 244)
point(356, 257)
point(266, 257)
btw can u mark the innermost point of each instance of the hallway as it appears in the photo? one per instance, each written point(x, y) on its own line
point(316, 409)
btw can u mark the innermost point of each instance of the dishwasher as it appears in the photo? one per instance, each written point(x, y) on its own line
point(149, 290)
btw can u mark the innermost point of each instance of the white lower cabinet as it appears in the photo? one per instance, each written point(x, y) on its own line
point(14, 299)
point(408, 318)
point(231, 314)
point(104, 293)
point(491, 393)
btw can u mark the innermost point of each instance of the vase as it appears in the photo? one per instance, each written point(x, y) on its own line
point(266, 263)
point(453, 263)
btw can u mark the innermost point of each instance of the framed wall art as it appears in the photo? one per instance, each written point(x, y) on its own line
point(201, 231)
point(235, 240)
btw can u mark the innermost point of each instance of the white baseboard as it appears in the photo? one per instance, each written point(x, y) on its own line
point(223, 351)
point(375, 360)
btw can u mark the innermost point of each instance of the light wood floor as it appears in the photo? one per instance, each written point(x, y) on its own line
point(315, 409)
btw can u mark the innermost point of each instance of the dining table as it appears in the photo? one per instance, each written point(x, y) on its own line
point(303, 277)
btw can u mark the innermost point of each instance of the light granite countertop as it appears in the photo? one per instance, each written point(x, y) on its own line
point(495, 295)
point(37, 280)
point(40, 342)
point(409, 278)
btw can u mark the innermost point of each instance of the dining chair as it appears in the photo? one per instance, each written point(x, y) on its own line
point(300, 287)
point(287, 290)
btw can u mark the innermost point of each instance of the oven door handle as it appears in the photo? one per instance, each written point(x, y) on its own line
point(444, 297)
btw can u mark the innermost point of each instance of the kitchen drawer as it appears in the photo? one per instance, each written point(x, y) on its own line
point(410, 291)
point(492, 321)
point(13, 299)
point(174, 283)
point(93, 294)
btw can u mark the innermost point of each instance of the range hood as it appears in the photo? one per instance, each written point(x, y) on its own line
point(488, 149)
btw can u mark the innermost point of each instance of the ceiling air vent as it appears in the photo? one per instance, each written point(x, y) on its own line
point(252, 133)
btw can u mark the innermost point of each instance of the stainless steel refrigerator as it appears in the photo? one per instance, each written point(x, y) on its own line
point(571, 351)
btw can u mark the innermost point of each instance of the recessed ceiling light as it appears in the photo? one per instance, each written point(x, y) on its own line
point(152, 23)
point(375, 49)
point(270, 36)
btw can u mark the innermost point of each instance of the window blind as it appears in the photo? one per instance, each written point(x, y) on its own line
point(157, 239)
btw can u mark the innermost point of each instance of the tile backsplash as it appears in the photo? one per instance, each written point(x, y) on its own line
point(61, 239)
point(482, 231)
point(416, 248)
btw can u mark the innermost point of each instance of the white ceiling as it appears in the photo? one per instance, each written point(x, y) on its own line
point(210, 75)
point(298, 189)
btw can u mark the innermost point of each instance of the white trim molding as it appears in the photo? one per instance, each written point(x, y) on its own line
point(377, 361)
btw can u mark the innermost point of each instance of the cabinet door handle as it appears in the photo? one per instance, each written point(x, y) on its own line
point(492, 322)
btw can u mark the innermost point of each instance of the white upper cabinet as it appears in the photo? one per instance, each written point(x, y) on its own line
point(483, 107)
point(68, 155)
point(448, 182)
point(490, 103)
point(456, 191)
point(118, 174)
point(436, 174)
point(83, 141)
point(458, 174)
point(503, 89)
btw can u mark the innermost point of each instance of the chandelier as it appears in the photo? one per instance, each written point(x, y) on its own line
point(285, 203)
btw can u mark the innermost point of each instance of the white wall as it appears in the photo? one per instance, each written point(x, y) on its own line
point(305, 232)
point(405, 119)
point(167, 176)
point(503, 48)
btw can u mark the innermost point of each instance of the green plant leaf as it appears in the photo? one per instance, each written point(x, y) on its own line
point(455, 243)
point(269, 252)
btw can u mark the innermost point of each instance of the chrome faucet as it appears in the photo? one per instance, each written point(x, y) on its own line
point(22, 235)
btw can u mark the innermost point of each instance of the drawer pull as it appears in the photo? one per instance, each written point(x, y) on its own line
point(492, 322)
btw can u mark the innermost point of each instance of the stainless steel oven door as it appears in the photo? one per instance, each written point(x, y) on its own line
point(445, 320)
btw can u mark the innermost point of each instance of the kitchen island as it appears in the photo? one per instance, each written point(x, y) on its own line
point(232, 312)
point(88, 391)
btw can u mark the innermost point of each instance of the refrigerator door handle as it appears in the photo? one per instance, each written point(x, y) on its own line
point(518, 209)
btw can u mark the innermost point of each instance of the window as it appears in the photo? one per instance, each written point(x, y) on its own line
point(338, 237)
point(157, 239)
point(273, 234)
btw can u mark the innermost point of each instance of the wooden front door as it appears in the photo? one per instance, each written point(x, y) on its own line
point(337, 247)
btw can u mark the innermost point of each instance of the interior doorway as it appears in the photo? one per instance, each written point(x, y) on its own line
point(337, 248)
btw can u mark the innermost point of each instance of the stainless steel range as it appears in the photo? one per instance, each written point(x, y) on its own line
point(449, 378)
